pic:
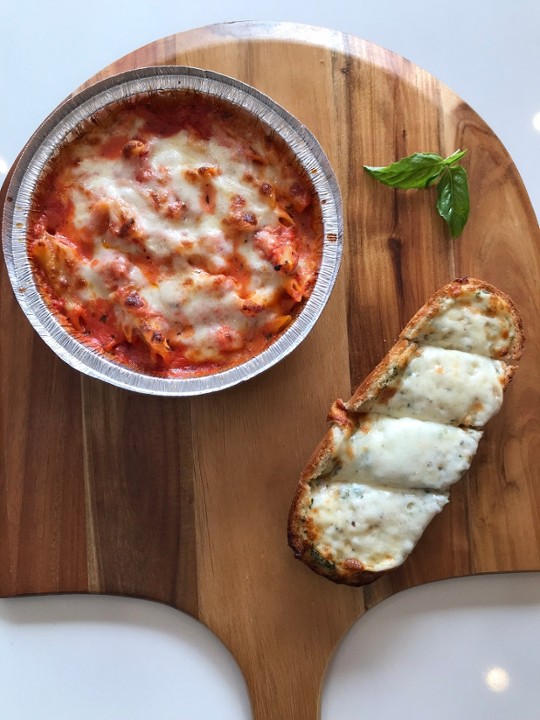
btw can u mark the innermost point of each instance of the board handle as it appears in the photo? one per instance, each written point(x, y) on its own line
point(284, 661)
point(275, 695)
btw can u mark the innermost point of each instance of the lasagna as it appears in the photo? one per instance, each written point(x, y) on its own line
point(175, 234)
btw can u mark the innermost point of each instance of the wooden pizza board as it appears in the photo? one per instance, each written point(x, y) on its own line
point(185, 501)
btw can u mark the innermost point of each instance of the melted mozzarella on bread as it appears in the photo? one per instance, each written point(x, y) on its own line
point(379, 526)
point(405, 453)
point(476, 322)
point(446, 386)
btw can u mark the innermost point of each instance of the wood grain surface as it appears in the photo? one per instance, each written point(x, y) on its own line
point(185, 501)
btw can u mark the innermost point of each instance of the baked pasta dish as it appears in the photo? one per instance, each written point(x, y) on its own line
point(175, 234)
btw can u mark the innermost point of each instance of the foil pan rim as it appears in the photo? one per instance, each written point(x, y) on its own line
point(64, 120)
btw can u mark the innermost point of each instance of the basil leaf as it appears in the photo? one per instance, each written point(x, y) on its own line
point(418, 170)
point(453, 198)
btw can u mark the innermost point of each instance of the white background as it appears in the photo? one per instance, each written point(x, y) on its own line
point(467, 649)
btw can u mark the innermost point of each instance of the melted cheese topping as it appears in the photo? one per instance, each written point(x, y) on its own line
point(477, 322)
point(380, 526)
point(389, 478)
point(405, 453)
point(175, 235)
point(445, 386)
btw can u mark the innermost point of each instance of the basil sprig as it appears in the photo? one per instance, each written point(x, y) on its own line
point(421, 170)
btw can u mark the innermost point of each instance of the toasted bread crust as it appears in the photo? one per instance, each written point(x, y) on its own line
point(351, 571)
point(315, 467)
point(375, 384)
point(345, 415)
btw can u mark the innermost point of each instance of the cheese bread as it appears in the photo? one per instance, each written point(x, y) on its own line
point(408, 433)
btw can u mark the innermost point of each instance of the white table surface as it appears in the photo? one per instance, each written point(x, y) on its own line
point(467, 649)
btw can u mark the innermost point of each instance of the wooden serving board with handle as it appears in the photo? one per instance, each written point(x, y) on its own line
point(185, 501)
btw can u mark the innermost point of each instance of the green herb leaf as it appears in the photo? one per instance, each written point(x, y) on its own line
point(453, 198)
point(418, 170)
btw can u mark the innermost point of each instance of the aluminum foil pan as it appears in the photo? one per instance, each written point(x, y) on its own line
point(51, 135)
